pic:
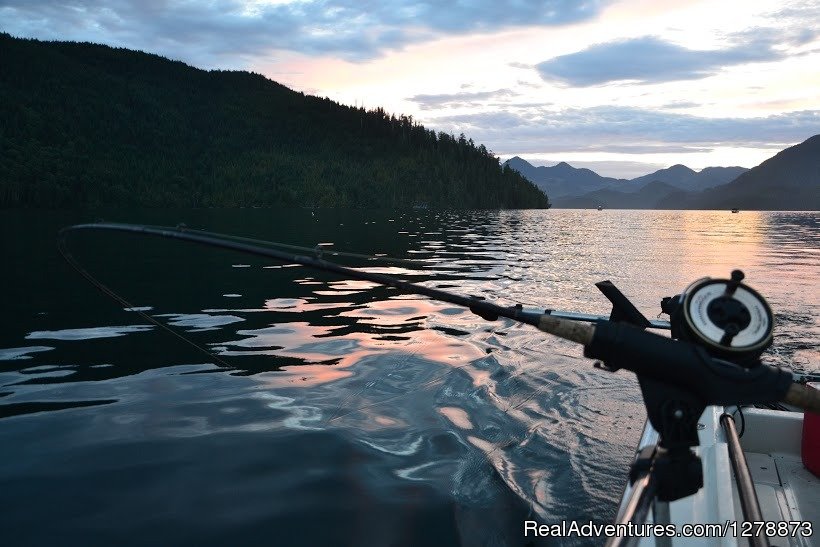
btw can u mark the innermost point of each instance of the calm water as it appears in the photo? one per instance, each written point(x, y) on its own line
point(348, 414)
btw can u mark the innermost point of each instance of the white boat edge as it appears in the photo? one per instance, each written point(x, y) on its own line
point(786, 490)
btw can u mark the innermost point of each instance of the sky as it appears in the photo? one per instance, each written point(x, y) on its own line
point(623, 87)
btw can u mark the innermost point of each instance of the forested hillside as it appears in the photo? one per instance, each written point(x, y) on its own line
point(90, 125)
point(788, 181)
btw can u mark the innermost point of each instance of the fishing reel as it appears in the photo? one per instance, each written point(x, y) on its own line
point(729, 319)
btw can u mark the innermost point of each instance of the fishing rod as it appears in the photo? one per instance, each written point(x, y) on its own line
point(320, 251)
point(487, 310)
point(695, 359)
point(719, 330)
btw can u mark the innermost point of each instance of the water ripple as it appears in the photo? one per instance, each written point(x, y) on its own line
point(348, 398)
point(87, 333)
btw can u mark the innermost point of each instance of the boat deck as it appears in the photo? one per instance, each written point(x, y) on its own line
point(786, 490)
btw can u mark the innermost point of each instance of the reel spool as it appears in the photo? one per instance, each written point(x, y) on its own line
point(727, 318)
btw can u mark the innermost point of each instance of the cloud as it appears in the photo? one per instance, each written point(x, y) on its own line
point(681, 104)
point(650, 60)
point(626, 130)
point(455, 100)
point(205, 31)
point(799, 20)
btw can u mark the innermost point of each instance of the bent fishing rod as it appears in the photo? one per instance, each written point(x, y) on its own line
point(715, 359)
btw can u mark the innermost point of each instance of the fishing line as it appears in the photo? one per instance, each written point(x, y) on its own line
point(566, 325)
point(255, 246)
point(182, 232)
point(263, 248)
point(694, 359)
point(66, 254)
point(482, 308)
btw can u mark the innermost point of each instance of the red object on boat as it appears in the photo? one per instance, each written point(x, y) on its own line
point(810, 447)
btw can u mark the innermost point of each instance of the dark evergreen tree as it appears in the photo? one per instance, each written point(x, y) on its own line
point(89, 125)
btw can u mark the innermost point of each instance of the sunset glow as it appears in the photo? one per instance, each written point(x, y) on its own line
point(623, 87)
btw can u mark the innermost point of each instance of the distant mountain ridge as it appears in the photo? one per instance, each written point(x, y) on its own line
point(676, 175)
point(563, 181)
point(790, 180)
point(684, 178)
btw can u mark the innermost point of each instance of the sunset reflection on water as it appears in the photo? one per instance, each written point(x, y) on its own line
point(335, 389)
point(391, 326)
point(547, 259)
